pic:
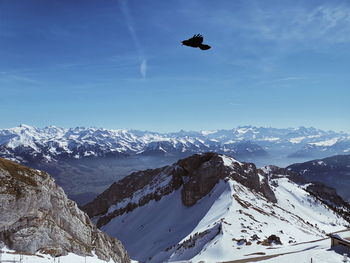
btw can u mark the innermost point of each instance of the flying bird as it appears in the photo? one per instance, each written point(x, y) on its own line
point(196, 41)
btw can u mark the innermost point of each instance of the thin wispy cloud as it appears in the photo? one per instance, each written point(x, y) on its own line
point(324, 23)
point(289, 79)
point(10, 78)
point(282, 81)
point(260, 36)
point(130, 24)
point(327, 23)
point(143, 68)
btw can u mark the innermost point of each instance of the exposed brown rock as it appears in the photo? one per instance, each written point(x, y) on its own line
point(273, 239)
point(120, 190)
point(36, 215)
point(203, 172)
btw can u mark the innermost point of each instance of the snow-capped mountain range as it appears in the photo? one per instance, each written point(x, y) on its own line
point(27, 144)
point(213, 208)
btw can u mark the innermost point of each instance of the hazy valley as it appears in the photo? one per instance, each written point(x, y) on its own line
point(85, 161)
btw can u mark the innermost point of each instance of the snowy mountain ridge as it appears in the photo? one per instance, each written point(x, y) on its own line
point(26, 143)
point(211, 208)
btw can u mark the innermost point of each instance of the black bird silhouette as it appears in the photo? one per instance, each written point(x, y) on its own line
point(196, 41)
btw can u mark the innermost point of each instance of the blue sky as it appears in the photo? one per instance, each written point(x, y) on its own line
point(120, 64)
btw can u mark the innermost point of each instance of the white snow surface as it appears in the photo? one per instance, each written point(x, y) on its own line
point(297, 139)
point(229, 161)
point(8, 255)
point(329, 142)
point(319, 251)
point(209, 231)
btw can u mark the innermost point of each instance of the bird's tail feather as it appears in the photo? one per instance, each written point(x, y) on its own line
point(204, 47)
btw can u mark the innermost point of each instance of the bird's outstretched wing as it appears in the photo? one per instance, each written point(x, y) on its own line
point(197, 39)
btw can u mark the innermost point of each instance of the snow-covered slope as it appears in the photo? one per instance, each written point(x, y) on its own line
point(319, 251)
point(213, 208)
point(8, 255)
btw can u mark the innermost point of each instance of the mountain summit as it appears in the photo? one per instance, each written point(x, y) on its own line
point(211, 206)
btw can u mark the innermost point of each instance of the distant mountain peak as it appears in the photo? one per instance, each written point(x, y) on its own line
point(28, 144)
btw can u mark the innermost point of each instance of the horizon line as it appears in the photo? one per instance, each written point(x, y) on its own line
point(177, 131)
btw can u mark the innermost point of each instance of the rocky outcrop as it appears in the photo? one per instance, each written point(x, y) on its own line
point(196, 176)
point(123, 189)
point(36, 215)
point(272, 240)
point(203, 172)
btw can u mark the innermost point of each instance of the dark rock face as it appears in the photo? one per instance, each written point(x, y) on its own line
point(120, 190)
point(36, 215)
point(202, 173)
point(196, 176)
point(325, 193)
point(205, 171)
point(273, 239)
point(275, 171)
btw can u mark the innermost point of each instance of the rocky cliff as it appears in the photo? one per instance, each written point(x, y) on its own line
point(36, 215)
